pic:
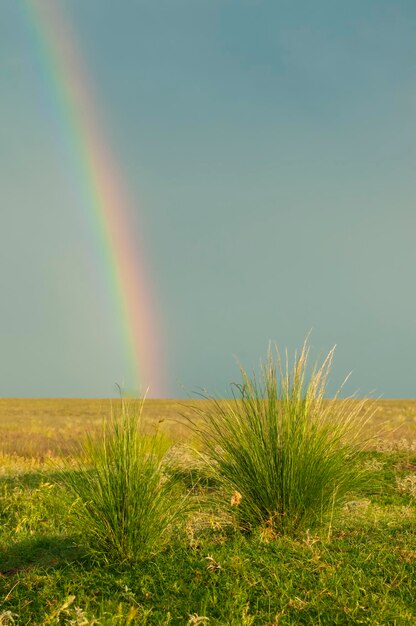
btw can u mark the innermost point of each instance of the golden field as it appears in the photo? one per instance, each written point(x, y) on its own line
point(42, 428)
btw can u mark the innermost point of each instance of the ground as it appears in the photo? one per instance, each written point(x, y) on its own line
point(358, 570)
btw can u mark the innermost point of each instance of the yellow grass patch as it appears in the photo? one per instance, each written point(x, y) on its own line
point(44, 428)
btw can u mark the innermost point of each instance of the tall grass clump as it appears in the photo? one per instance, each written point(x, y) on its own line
point(128, 504)
point(285, 455)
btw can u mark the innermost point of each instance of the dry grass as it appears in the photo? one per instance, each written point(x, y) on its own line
point(42, 428)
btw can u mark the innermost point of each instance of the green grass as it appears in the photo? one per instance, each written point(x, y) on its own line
point(362, 573)
point(127, 504)
point(284, 456)
point(128, 531)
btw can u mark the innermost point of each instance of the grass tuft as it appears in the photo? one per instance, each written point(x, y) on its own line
point(128, 503)
point(285, 456)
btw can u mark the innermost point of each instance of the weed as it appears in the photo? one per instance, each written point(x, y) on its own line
point(407, 484)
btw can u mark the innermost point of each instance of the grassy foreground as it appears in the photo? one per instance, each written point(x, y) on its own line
point(360, 570)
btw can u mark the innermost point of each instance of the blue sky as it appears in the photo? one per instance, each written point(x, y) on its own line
point(271, 148)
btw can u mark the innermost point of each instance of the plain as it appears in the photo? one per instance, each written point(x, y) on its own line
point(359, 570)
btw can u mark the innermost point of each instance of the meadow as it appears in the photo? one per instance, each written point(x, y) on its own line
point(357, 569)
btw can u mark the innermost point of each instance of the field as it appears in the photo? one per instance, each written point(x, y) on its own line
point(360, 570)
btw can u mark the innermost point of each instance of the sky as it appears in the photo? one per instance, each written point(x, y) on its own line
point(269, 148)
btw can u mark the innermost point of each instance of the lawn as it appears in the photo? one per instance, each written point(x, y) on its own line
point(358, 570)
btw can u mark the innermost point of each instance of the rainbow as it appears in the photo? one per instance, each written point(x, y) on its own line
point(103, 191)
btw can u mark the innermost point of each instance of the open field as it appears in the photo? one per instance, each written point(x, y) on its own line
point(360, 570)
point(40, 428)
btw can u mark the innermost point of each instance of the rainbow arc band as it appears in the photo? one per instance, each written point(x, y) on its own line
point(103, 190)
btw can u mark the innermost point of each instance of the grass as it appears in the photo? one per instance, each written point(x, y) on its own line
point(363, 573)
point(44, 428)
point(127, 503)
point(39, 429)
point(209, 572)
point(283, 456)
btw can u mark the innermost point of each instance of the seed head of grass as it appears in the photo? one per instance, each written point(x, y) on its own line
point(289, 454)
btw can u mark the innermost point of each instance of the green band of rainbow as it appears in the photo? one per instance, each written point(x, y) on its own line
point(103, 191)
